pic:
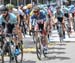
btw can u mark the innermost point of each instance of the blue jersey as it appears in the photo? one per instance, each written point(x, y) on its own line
point(40, 17)
point(12, 19)
point(27, 11)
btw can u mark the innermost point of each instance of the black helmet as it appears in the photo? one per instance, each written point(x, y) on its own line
point(3, 8)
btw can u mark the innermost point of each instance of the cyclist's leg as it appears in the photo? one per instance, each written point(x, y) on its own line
point(72, 21)
point(69, 21)
point(44, 40)
point(35, 29)
point(60, 19)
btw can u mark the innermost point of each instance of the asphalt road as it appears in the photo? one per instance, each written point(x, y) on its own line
point(57, 52)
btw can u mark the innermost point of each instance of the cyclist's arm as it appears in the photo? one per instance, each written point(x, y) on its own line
point(45, 22)
point(30, 23)
point(18, 19)
point(1, 20)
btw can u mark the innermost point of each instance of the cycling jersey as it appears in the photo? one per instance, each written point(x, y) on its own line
point(59, 16)
point(11, 22)
point(27, 12)
point(12, 19)
point(71, 9)
point(21, 13)
point(39, 24)
point(41, 17)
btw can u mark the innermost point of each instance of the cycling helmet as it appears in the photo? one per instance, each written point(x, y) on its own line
point(36, 8)
point(3, 8)
point(58, 7)
point(10, 6)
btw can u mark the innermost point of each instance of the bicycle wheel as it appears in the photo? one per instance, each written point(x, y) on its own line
point(9, 54)
point(74, 25)
point(60, 32)
point(68, 31)
point(19, 57)
point(38, 48)
point(2, 56)
point(1, 53)
point(33, 36)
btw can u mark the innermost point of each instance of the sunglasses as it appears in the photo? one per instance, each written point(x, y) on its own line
point(35, 11)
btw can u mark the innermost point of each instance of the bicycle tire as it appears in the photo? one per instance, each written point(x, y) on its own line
point(38, 48)
point(60, 32)
point(9, 54)
point(74, 25)
point(33, 36)
point(68, 30)
point(2, 56)
point(16, 56)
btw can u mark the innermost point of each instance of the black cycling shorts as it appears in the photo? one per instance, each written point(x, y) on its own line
point(41, 26)
point(9, 27)
point(72, 14)
point(60, 19)
point(49, 16)
point(66, 15)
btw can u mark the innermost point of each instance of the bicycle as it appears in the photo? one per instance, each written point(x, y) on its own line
point(32, 30)
point(39, 46)
point(7, 48)
point(1, 45)
point(23, 26)
point(19, 56)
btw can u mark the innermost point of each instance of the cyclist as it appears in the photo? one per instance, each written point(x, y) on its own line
point(7, 21)
point(49, 21)
point(59, 15)
point(40, 19)
point(67, 15)
point(21, 18)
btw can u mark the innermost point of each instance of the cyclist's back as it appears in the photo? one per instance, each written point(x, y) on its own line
point(10, 21)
